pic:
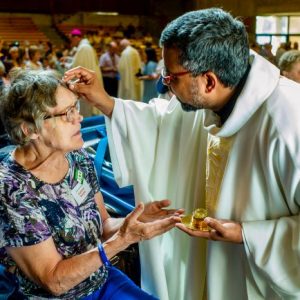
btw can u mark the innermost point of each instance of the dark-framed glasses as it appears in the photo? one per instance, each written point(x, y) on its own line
point(70, 113)
point(167, 78)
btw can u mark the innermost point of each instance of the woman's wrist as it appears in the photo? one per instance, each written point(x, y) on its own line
point(114, 245)
point(103, 257)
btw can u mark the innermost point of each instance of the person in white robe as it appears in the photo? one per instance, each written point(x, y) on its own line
point(228, 141)
point(130, 64)
point(86, 57)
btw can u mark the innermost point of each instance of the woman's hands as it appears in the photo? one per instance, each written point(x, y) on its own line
point(221, 230)
point(156, 210)
point(144, 224)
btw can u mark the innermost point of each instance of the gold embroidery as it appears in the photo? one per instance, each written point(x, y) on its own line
point(217, 155)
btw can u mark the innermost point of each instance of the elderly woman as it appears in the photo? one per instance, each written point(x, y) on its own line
point(56, 234)
point(289, 65)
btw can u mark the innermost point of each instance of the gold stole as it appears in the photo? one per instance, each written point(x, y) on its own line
point(217, 154)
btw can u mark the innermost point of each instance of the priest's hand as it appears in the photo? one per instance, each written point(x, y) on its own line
point(86, 84)
point(221, 230)
point(156, 210)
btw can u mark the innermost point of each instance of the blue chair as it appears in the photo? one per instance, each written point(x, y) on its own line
point(6, 150)
point(118, 201)
point(92, 121)
point(92, 135)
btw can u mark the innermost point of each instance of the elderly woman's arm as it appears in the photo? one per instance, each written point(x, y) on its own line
point(45, 266)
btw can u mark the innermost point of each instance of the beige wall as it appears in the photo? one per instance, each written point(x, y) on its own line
point(252, 7)
point(277, 6)
point(235, 7)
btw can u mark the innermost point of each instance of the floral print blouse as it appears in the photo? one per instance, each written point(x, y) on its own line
point(31, 211)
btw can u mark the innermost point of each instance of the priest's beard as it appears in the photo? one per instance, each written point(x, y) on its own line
point(196, 100)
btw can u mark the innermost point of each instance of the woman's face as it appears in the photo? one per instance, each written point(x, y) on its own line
point(294, 73)
point(61, 131)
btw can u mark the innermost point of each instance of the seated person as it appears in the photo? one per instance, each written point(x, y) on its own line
point(56, 234)
point(289, 65)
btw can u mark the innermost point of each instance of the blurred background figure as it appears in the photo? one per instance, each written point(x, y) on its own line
point(280, 50)
point(149, 75)
point(34, 63)
point(130, 66)
point(255, 47)
point(86, 57)
point(108, 64)
point(266, 52)
point(295, 46)
point(289, 64)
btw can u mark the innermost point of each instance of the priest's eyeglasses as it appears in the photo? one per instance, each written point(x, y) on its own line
point(70, 113)
point(167, 78)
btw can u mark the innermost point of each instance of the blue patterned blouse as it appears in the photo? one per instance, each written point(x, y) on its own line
point(31, 211)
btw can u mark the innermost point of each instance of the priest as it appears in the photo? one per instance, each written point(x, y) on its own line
point(228, 141)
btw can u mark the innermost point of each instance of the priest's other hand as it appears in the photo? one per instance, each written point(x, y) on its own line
point(221, 230)
point(85, 82)
point(157, 210)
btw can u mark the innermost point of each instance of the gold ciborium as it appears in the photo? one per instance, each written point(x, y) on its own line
point(195, 221)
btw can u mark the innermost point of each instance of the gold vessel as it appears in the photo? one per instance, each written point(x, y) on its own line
point(196, 220)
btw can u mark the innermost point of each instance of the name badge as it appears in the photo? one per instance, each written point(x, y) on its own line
point(81, 191)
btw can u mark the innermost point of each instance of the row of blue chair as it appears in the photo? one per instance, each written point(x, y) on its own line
point(119, 201)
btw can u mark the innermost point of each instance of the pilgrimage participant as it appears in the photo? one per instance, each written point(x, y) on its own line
point(85, 56)
point(56, 235)
point(289, 65)
point(130, 65)
point(108, 64)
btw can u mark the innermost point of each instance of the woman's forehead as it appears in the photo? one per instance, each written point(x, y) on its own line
point(64, 97)
point(65, 92)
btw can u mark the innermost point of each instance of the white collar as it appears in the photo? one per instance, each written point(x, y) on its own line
point(261, 82)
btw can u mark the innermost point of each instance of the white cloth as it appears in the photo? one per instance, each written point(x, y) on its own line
point(162, 151)
point(86, 57)
point(130, 87)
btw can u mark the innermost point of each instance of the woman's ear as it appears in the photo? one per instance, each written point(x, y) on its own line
point(28, 131)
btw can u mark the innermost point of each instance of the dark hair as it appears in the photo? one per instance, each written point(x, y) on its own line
point(151, 54)
point(210, 40)
point(27, 99)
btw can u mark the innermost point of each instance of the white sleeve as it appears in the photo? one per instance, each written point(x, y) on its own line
point(132, 134)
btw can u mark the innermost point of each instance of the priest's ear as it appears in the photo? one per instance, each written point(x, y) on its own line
point(29, 131)
point(210, 81)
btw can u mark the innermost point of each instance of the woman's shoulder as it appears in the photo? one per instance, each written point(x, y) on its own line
point(9, 169)
point(12, 179)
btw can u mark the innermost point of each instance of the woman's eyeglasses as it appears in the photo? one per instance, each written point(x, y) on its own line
point(167, 78)
point(70, 113)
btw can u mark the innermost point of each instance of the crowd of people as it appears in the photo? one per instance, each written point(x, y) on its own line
point(101, 53)
point(286, 58)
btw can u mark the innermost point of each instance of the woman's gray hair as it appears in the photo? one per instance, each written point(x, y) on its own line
point(288, 59)
point(27, 100)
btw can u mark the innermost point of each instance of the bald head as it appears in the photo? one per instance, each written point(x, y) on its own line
point(124, 43)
